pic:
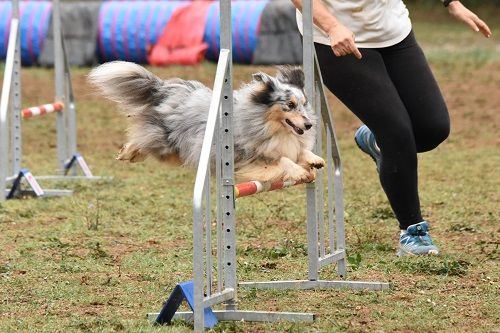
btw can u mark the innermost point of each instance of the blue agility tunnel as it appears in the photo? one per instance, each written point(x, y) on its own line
point(128, 28)
point(264, 31)
point(246, 19)
point(34, 19)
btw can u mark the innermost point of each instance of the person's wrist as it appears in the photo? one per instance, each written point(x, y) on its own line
point(446, 3)
point(332, 27)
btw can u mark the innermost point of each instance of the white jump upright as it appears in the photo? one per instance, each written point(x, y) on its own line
point(11, 115)
point(214, 274)
point(7, 92)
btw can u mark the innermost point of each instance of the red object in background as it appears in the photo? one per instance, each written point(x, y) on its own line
point(182, 39)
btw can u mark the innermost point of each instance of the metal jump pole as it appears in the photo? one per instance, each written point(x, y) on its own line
point(324, 247)
point(308, 51)
point(11, 171)
point(223, 288)
point(60, 93)
point(66, 121)
point(16, 137)
point(6, 166)
point(15, 174)
point(67, 154)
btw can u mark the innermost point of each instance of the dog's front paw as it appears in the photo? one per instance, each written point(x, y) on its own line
point(298, 174)
point(315, 162)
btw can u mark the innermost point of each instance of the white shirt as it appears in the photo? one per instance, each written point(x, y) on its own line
point(375, 23)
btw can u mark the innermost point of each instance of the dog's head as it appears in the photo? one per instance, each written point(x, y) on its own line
point(283, 95)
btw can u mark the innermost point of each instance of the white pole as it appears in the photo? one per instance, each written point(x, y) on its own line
point(15, 116)
point(4, 108)
point(59, 86)
point(312, 222)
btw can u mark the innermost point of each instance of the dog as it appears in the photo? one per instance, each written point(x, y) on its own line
point(274, 124)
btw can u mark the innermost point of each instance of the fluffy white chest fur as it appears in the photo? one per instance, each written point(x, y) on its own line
point(282, 144)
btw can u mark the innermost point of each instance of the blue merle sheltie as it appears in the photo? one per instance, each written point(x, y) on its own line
point(274, 125)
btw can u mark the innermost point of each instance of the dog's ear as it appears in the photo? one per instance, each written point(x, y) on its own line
point(264, 94)
point(264, 78)
point(291, 75)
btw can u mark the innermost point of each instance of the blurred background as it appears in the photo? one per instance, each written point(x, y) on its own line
point(177, 31)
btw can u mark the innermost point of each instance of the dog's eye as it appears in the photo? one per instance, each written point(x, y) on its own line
point(291, 105)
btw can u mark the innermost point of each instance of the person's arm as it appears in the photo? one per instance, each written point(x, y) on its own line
point(461, 13)
point(341, 38)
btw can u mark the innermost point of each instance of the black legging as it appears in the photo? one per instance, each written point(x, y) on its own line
point(393, 92)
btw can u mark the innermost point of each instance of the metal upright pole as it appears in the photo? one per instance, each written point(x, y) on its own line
point(320, 202)
point(16, 138)
point(334, 171)
point(5, 142)
point(198, 268)
point(200, 195)
point(70, 107)
point(4, 134)
point(219, 201)
point(227, 142)
point(308, 56)
point(59, 86)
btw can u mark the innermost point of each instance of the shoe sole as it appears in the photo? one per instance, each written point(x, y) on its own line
point(402, 253)
point(367, 153)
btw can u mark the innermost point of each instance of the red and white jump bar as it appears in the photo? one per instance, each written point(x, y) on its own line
point(42, 109)
point(253, 187)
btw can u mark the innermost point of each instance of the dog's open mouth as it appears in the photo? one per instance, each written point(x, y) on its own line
point(297, 130)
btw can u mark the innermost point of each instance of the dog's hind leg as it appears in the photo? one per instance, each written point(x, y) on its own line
point(130, 152)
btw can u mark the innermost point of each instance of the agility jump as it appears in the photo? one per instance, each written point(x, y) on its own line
point(214, 274)
point(11, 114)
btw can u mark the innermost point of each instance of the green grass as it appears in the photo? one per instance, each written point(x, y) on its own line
point(100, 260)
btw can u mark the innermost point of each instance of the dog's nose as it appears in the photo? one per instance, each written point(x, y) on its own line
point(308, 125)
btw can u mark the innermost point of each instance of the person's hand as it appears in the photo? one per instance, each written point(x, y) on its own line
point(342, 41)
point(461, 13)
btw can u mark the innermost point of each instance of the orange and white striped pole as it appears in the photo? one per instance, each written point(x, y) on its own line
point(42, 109)
point(253, 187)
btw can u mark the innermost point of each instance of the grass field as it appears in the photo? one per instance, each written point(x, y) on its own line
point(100, 260)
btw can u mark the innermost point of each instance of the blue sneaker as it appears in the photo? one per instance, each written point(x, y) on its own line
point(416, 241)
point(366, 142)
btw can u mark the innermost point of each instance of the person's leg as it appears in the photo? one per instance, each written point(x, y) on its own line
point(419, 91)
point(366, 88)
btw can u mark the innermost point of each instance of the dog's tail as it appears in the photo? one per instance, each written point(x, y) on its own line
point(128, 84)
point(138, 91)
point(152, 106)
